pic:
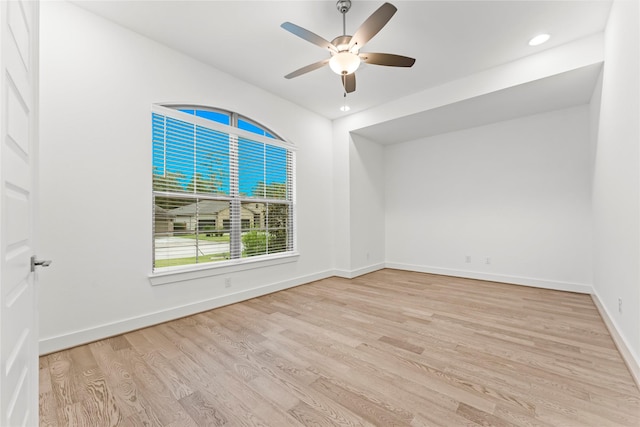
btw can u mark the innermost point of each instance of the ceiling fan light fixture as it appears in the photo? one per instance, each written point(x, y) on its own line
point(343, 63)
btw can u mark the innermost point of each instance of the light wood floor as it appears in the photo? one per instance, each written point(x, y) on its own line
point(387, 348)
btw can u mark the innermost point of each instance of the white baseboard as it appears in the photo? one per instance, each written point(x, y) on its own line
point(83, 336)
point(351, 274)
point(630, 358)
point(502, 278)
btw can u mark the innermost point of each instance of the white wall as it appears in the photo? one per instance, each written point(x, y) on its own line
point(516, 192)
point(98, 82)
point(616, 181)
point(354, 160)
point(367, 213)
point(340, 214)
point(359, 206)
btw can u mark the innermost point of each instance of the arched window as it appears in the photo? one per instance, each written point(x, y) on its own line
point(223, 188)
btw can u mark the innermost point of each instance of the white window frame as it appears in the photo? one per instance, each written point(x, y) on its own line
point(172, 274)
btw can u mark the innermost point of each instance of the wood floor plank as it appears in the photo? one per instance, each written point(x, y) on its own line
point(359, 404)
point(61, 374)
point(156, 361)
point(47, 409)
point(387, 348)
point(215, 377)
point(130, 400)
point(98, 401)
point(159, 397)
point(480, 417)
point(201, 411)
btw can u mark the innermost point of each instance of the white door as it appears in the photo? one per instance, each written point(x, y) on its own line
point(18, 154)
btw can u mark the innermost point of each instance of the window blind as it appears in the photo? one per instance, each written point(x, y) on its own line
point(220, 192)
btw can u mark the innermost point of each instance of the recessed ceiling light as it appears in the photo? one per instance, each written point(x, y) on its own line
point(345, 108)
point(539, 39)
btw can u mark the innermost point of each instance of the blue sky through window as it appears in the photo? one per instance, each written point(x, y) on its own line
point(204, 153)
point(248, 126)
point(215, 116)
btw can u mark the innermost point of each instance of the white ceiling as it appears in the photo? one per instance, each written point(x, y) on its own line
point(449, 39)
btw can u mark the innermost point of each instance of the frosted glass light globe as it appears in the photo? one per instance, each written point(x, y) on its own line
point(344, 63)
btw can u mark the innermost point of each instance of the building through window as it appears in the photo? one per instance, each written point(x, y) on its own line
point(223, 188)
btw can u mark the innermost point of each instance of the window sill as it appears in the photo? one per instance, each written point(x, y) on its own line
point(179, 274)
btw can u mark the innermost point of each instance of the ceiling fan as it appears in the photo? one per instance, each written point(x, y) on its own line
point(345, 56)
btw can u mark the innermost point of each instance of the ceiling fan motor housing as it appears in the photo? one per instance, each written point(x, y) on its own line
point(341, 43)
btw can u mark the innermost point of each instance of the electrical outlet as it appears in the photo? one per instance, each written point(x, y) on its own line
point(227, 282)
point(620, 305)
point(467, 259)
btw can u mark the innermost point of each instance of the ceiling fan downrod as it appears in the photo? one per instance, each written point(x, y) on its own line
point(343, 7)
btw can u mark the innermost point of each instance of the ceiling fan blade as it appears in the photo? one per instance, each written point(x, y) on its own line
point(306, 69)
point(349, 82)
point(387, 59)
point(372, 25)
point(308, 36)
